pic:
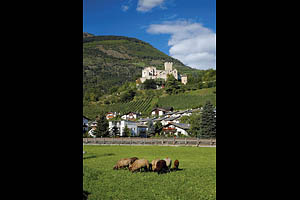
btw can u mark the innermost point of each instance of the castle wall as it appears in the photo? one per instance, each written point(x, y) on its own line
point(152, 73)
point(184, 80)
point(168, 66)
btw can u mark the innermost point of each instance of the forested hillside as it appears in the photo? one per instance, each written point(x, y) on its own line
point(110, 61)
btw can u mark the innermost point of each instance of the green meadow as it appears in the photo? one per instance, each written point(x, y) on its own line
point(195, 180)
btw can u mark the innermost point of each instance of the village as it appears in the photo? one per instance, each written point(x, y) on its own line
point(138, 126)
point(134, 124)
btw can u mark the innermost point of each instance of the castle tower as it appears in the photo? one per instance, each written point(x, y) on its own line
point(184, 79)
point(168, 66)
point(175, 73)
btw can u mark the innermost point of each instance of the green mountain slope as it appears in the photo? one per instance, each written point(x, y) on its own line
point(110, 61)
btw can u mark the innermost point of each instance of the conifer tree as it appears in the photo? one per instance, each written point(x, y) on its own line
point(115, 131)
point(208, 121)
point(158, 127)
point(151, 128)
point(102, 126)
point(127, 132)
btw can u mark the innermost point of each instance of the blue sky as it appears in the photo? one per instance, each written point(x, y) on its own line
point(183, 29)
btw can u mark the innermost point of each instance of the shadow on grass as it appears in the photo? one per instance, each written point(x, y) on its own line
point(107, 154)
point(162, 172)
point(174, 170)
point(85, 195)
point(102, 155)
point(88, 157)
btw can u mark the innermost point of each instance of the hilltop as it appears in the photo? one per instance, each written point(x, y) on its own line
point(110, 61)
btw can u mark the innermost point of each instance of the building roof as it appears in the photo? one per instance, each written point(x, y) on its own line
point(160, 118)
point(171, 113)
point(86, 117)
point(184, 111)
point(145, 119)
point(179, 125)
point(132, 113)
point(163, 109)
point(171, 118)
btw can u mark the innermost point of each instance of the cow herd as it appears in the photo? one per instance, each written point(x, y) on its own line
point(134, 165)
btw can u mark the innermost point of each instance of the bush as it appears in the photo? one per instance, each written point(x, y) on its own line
point(86, 135)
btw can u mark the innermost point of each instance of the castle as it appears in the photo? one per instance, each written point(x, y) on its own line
point(153, 73)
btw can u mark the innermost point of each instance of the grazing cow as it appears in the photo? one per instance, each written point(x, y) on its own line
point(138, 165)
point(161, 167)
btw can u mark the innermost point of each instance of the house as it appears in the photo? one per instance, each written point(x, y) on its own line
point(172, 114)
point(85, 124)
point(159, 119)
point(110, 115)
point(93, 126)
point(176, 128)
point(169, 120)
point(136, 128)
point(161, 111)
point(130, 116)
point(145, 121)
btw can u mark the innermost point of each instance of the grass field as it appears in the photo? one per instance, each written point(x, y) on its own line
point(197, 180)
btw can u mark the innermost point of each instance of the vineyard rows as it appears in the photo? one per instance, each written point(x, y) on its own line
point(142, 106)
point(186, 101)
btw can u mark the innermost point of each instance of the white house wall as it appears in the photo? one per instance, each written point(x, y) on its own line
point(121, 126)
point(182, 131)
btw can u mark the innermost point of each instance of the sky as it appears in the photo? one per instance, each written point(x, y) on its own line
point(183, 29)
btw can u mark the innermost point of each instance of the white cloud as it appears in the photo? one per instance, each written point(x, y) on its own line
point(147, 5)
point(191, 43)
point(125, 8)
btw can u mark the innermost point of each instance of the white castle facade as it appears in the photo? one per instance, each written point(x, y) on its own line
point(153, 73)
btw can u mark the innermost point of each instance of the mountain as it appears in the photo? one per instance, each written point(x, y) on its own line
point(110, 61)
point(87, 35)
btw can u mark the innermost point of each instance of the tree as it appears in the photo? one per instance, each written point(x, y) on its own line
point(195, 121)
point(149, 84)
point(115, 131)
point(127, 95)
point(151, 129)
point(158, 127)
point(160, 81)
point(208, 121)
point(127, 132)
point(172, 85)
point(102, 126)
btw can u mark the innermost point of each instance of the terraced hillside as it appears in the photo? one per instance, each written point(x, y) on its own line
point(187, 100)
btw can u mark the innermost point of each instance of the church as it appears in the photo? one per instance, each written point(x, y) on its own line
point(153, 73)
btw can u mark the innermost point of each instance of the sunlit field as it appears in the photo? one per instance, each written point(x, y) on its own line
point(196, 180)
